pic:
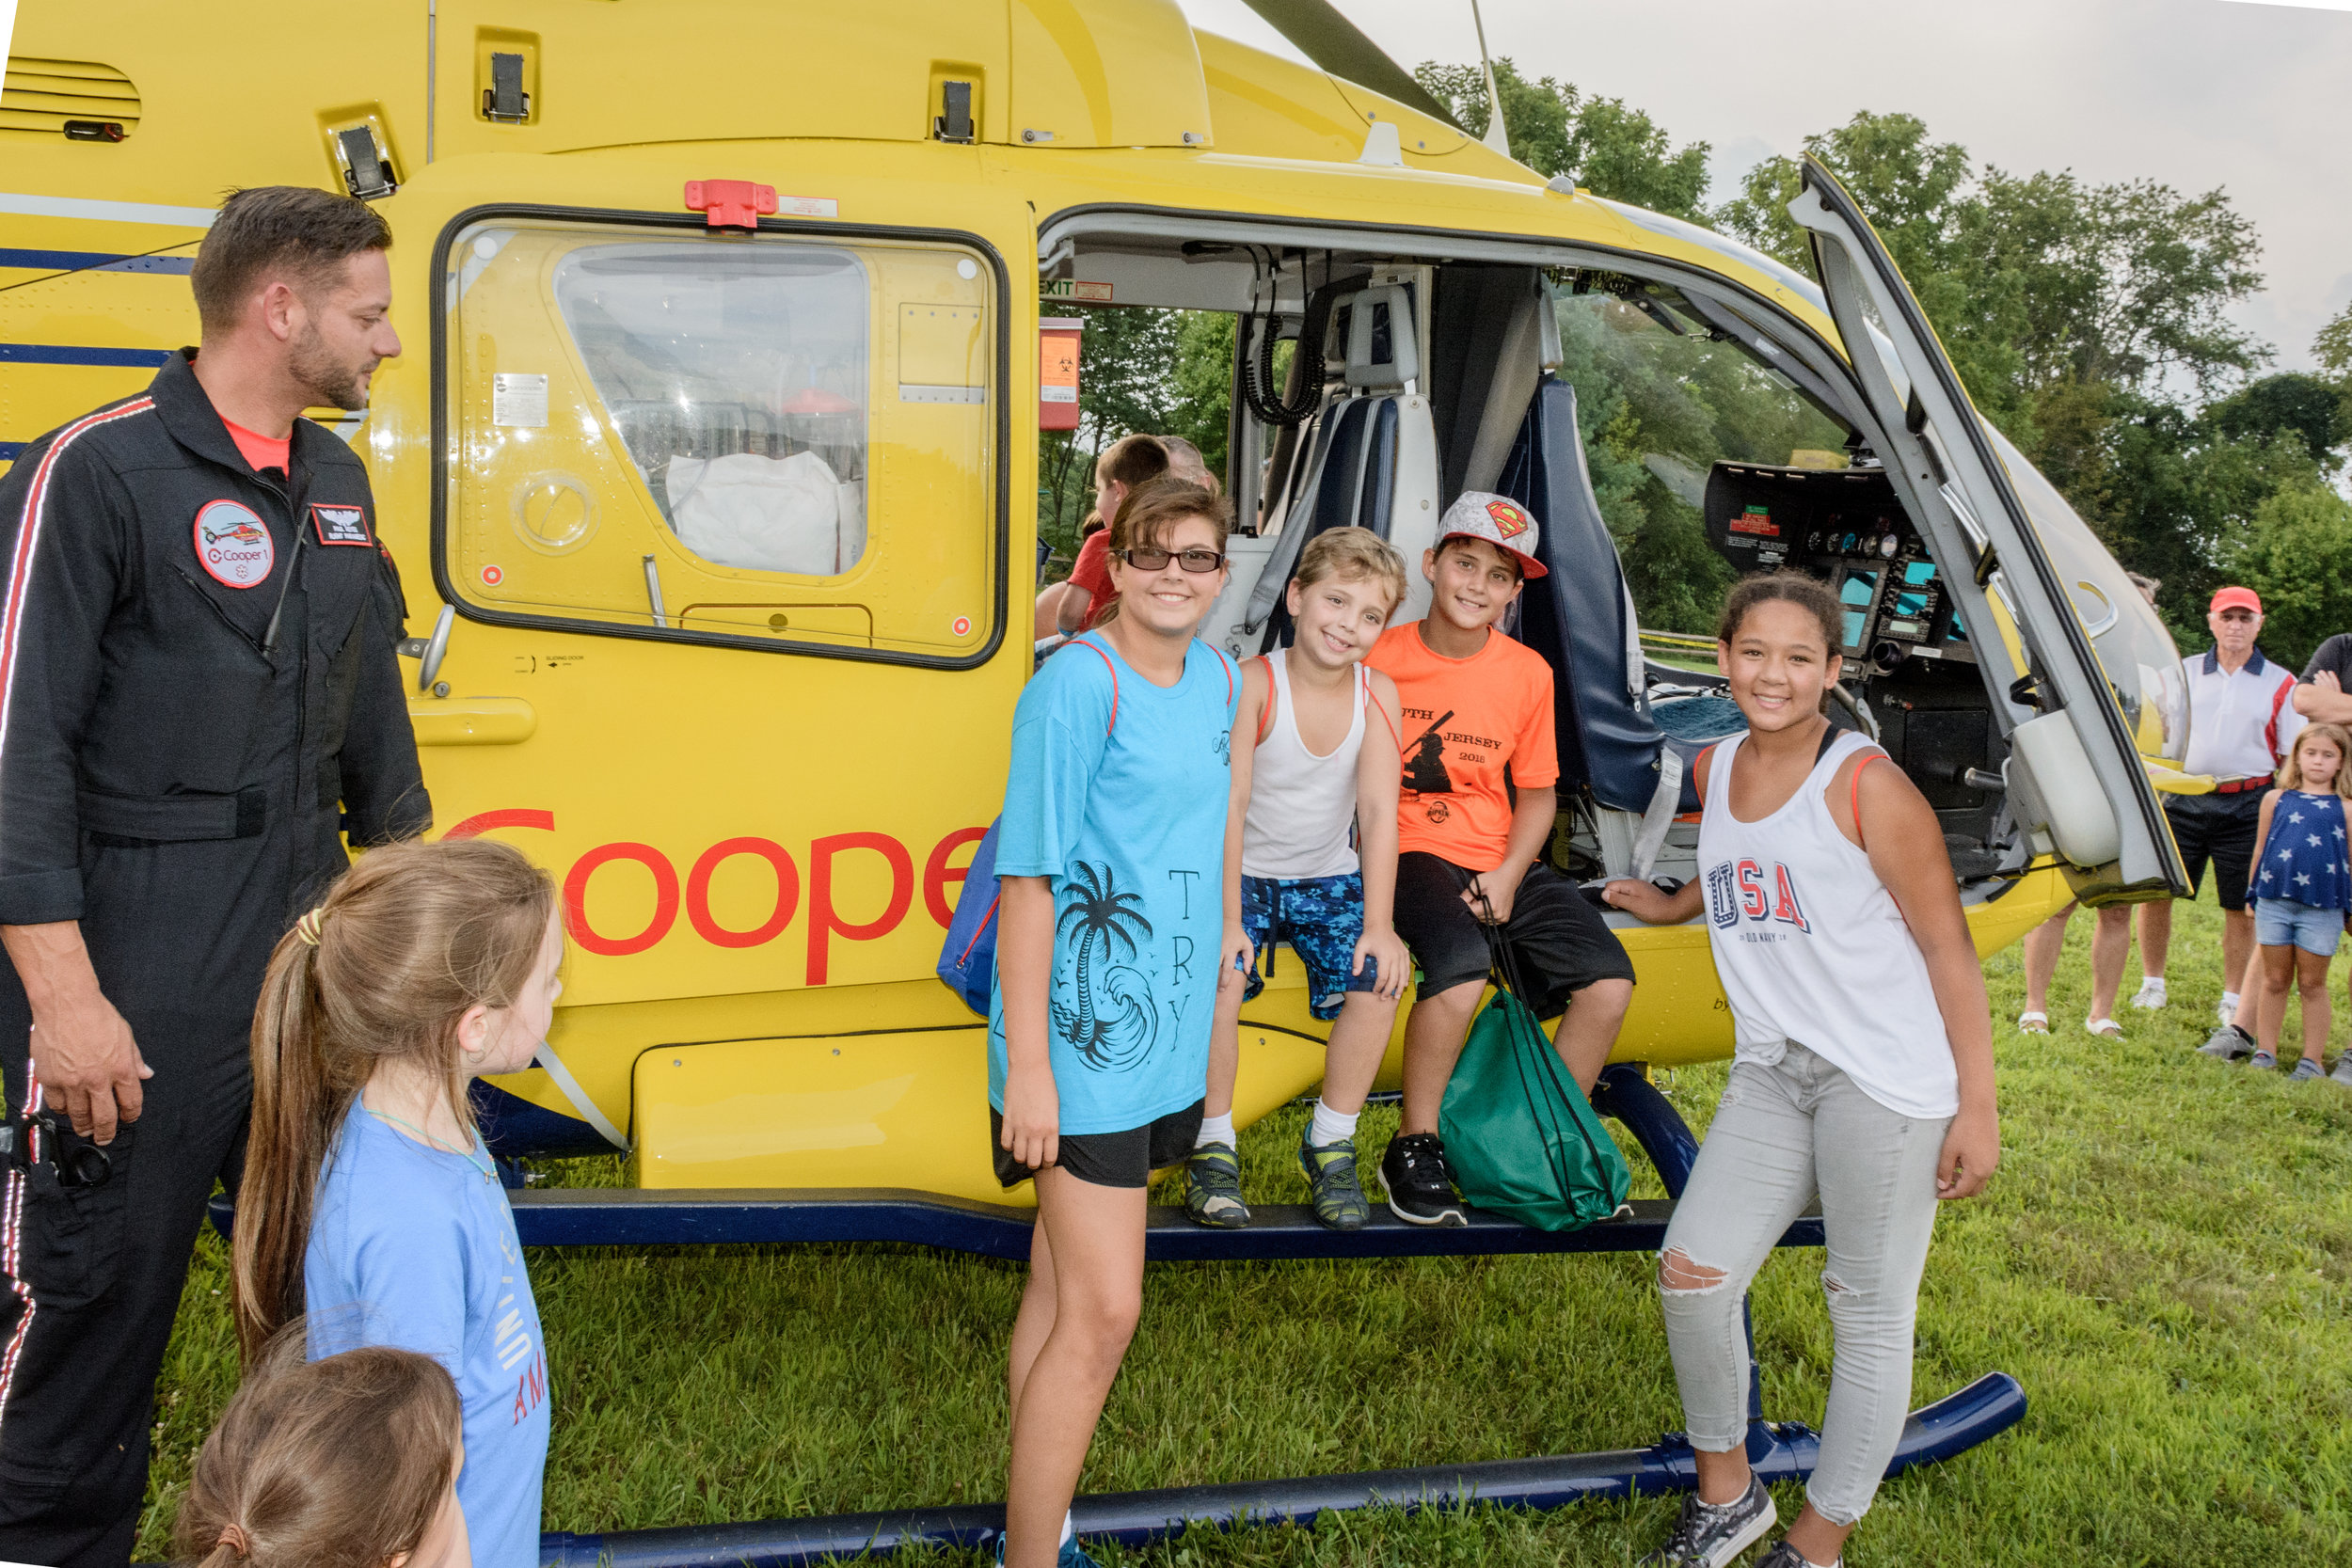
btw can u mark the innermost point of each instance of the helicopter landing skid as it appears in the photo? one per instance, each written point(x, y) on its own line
point(1779, 1451)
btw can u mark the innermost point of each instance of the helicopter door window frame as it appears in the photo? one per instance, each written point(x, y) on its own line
point(1802, 353)
point(695, 224)
point(1753, 320)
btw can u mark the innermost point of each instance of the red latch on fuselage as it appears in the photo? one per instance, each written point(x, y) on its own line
point(730, 203)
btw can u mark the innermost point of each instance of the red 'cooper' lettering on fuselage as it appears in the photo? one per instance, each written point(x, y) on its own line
point(824, 920)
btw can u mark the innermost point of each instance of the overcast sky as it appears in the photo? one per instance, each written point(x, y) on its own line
point(2197, 93)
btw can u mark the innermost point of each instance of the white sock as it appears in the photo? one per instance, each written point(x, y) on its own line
point(1214, 1129)
point(1069, 1525)
point(2151, 990)
point(1329, 1126)
point(2229, 1001)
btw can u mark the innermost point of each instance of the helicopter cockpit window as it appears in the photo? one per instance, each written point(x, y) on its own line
point(735, 378)
point(772, 439)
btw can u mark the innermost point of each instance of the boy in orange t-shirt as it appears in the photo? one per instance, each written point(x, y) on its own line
point(1478, 731)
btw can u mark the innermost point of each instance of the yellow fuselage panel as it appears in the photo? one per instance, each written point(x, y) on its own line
point(759, 834)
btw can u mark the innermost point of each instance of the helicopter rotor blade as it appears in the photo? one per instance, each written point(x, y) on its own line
point(1336, 45)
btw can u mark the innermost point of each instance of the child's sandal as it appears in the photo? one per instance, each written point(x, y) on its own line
point(2105, 1028)
point(2033, 1024)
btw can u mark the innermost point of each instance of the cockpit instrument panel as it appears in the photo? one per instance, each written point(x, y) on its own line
point(1845, 527)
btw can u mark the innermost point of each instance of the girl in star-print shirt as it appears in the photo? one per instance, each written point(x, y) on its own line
point(2302, 890)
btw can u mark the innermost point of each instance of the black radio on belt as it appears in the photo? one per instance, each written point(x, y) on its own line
point(79, 1164)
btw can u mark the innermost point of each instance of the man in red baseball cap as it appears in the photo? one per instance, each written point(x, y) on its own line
point(2242, 721)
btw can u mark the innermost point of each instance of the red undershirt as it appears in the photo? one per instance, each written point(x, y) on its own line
point(262, 451)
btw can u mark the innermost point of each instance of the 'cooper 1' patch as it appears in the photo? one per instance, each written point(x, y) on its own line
point(233, 545)
point(341, 525)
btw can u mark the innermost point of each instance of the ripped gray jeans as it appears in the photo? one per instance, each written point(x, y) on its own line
point(1781, 1135)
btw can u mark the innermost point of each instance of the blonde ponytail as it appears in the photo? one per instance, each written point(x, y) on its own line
point(409, 939)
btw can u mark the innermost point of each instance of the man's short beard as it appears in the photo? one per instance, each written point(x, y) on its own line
point(330, 383)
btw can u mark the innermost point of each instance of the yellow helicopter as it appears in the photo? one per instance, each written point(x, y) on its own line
point(732, 328)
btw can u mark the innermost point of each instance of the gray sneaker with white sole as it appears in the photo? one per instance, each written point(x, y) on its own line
point(1712, 1535)
point(2228, 1043)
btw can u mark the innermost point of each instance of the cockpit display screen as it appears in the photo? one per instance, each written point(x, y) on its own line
point(1856, 594)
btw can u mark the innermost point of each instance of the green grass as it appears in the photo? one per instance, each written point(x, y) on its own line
point(2162, 1262)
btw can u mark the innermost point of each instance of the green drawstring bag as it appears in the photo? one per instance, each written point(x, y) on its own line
point(1522, 1140)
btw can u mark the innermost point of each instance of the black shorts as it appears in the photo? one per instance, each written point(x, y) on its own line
point(1559, 942)
point(1106, 1159)
point(2220, 829)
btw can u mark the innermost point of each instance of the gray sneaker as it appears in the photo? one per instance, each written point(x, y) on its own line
point(2343, 1070)
point(2305, 1068)
point(2228, 1043)
point(1212, 1188)
point(1785, 1556)
point(1709, 1535)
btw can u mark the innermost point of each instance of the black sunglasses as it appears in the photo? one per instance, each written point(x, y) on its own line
point(1196, 562)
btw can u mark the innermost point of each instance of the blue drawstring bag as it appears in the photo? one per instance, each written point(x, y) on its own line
point(967, 959)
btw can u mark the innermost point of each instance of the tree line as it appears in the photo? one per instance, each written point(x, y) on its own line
point(2089, 320)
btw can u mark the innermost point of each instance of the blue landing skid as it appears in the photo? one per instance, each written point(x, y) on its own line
point(1275, 1232)
point(1780, 1452)
point(608, 1216)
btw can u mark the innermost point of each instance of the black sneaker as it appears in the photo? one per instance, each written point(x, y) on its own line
point(1212, 1188)
point(1421, 1190)
point(1709, 1535)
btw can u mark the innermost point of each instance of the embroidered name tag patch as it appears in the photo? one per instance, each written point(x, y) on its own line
point(233, 545)
point(341, 525)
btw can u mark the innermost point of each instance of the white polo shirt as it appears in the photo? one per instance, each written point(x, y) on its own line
point(2239, 725)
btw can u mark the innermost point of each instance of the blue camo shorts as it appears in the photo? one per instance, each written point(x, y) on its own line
point(1322, 919)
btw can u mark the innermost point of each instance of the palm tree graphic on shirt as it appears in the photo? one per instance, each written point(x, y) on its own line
point(1115, 1025)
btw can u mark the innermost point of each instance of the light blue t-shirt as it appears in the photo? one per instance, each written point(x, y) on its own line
point(1117, 794)
point(414, 1246)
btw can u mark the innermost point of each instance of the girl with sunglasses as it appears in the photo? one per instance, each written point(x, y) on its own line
point(1110, 858)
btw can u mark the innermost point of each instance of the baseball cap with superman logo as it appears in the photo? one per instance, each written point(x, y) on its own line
point(1499, 520)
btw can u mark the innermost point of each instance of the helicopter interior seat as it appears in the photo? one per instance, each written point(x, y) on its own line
point(1373, 462)
point(1581, 617)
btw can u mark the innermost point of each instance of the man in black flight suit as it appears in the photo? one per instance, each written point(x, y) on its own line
point(198, 699)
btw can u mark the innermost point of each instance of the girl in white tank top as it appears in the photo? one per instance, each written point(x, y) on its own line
point(1862, 1071)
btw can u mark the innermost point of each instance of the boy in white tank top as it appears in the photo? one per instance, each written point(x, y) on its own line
point(1310, 861)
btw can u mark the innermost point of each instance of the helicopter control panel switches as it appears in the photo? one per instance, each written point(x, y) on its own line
point(730, 203)
point(504, 100)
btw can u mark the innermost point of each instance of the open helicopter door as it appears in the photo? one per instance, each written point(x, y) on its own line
point(2074, 779)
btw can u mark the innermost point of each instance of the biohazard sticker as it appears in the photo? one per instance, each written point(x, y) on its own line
point(341, 525)
point(233, 545)
point(1509, 520)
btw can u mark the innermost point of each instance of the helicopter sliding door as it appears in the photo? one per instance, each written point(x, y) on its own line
point(2076, 784)
point(724, 514)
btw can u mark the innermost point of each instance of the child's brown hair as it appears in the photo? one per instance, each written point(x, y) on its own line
point(1151, 513)
point(341, 1463)
point(1131, 461)
point(1785, 587)
point(409, 939)
point(2290, 771)
point(1356, 554)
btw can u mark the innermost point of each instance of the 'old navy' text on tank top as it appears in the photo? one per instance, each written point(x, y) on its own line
point(1302, 807)
point(1811, 948)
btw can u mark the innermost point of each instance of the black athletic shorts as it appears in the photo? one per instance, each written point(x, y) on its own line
point(1559, 942)
point(1106, 1159)
point(2220, 829)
